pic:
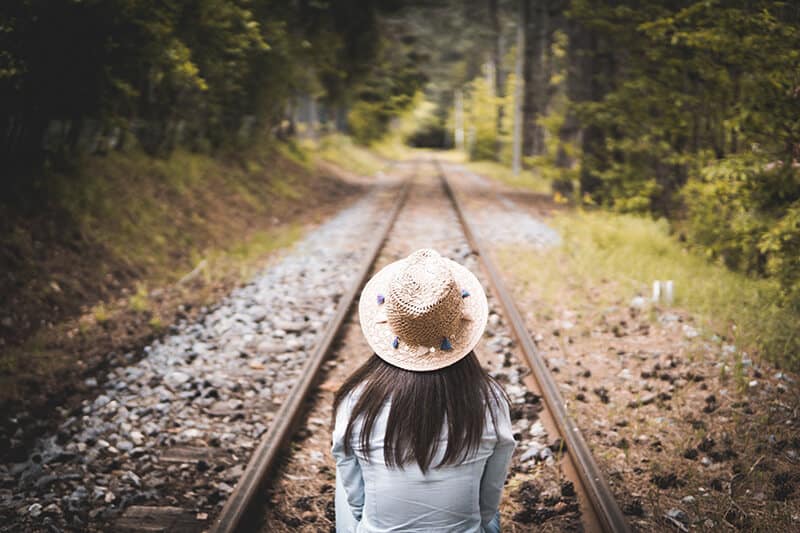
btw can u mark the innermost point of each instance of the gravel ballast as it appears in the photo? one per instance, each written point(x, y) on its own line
point(177, 427)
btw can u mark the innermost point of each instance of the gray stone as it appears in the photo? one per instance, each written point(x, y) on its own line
point(101, 401)
point(678, 515)
point(531, 453)
point(176, 379)
point(638, 302)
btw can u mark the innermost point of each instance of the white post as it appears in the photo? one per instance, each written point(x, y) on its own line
point(668, 291)
point(656, 290)
point(313, 119)
point(491, 77)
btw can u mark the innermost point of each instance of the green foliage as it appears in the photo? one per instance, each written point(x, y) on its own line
point(343, 152)
point(781, 244)
point(559, 163)
point(198, 73)
point(422, 126)
point(367, 121)
point(701, 123)
point(713, 78)
point(480, 111)
point(528, 180)
point(748, 215)
point(386, 92)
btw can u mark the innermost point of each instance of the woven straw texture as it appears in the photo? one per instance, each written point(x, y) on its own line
point(422, 305)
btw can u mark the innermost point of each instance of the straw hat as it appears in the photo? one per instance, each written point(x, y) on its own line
point(424, 312)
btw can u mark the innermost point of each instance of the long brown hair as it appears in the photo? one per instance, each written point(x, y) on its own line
point(421, 403)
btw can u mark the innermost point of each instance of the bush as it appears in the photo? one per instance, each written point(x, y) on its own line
point(366, 121)
point(481, 118)
point(746, 213)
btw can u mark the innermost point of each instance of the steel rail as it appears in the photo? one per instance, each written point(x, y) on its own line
point(265, 456)
point(600, 497)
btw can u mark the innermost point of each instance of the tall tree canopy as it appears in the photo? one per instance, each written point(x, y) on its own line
point(75, 71)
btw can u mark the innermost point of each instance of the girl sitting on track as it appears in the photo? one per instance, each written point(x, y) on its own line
point(422, 435)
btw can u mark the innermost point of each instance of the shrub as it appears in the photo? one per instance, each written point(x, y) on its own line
point(746, 213)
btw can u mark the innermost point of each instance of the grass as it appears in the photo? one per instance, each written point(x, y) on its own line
point(139, 301)
point(526, 179)
point(145, 208)
point(101, 313)
point(109, 242)
point(242, 256)
point(343, 152)
point(633, 251)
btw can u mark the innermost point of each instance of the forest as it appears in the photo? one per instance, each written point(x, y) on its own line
point(687, 111)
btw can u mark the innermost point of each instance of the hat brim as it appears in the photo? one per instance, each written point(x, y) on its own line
point(421, 358)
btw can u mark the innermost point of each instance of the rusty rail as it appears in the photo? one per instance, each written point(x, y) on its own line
point(604, 506)
point(264, 458)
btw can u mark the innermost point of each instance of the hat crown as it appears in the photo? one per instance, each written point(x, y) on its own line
point(424, 300)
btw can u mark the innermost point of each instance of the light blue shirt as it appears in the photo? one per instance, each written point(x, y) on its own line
point(373, 498)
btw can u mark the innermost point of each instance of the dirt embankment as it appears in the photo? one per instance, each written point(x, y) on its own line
point(98, 263)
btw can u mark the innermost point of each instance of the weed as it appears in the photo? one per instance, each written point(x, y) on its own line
point(139, 302)
point(101, 313)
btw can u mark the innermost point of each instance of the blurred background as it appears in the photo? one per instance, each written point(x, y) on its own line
point(146, 144)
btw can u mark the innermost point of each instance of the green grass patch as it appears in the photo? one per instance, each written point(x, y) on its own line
point(145, 210)
point(343, 152)
point(101, 313)
point(243, 255)
point(632, 252)
point(140, 300)
point(526, 179)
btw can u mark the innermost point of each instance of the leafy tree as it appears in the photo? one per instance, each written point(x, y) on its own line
point(79, 73)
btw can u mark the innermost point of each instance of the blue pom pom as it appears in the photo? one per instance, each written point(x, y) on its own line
point(465, 293)
point(446, 344)
point(396, 342)
point(381, 299)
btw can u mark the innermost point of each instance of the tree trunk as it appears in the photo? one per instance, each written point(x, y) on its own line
point(497, 59)
point(585, 66)
point(519, 92)
point(536, 79)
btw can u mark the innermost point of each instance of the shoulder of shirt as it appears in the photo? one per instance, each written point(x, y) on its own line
point(352, 397)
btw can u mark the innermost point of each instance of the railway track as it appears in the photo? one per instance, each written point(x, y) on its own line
point(244, 509)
